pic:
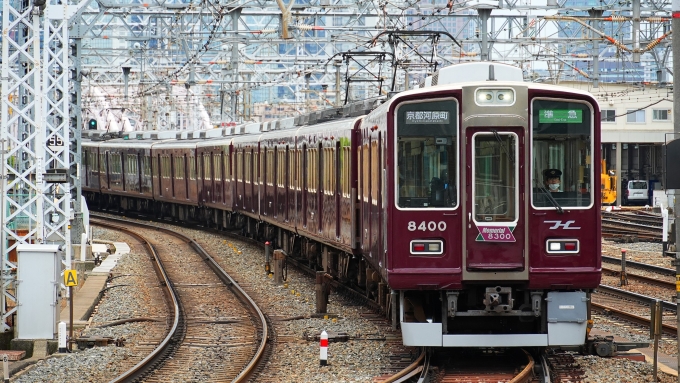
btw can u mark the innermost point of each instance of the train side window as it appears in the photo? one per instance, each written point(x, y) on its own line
point(179, 168)
point(217, 171)
point(561, 138)
point(248, 166)
point(192, 167)
point(427, 154)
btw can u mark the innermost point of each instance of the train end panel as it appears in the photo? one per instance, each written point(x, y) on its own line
point(483, 248)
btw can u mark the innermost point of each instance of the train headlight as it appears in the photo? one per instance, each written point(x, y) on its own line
point(495, 97)
point(485, 96)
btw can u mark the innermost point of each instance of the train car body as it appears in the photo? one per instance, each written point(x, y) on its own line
point(480, 252)
point(90, 165)
point(215, 159)
point(324, 163)
point(124, 172)
point(435, 204)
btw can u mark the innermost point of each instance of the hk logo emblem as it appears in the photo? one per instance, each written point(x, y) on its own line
point(560, 225)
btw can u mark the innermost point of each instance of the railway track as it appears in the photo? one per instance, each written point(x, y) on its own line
point(405, 363)
point(632, 226)
point(217, 333)
point(476, 366)
point(402, 358)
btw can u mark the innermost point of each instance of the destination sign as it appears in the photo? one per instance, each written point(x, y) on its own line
point(427, 117)
point(552, 116)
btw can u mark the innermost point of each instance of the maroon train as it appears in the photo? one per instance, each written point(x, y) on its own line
point(434, 203)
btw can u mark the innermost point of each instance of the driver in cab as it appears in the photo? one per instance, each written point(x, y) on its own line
point(552, 179)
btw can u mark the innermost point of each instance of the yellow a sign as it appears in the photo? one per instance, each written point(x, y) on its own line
point(70, 278)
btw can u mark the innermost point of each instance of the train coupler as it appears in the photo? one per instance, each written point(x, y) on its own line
point(605, 346)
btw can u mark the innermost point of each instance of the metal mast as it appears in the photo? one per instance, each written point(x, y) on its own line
point(36, 197)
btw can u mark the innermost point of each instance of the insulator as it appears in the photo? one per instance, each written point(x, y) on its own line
point(617, 18)
point(652, 44)
point(580, 55)
point(657, 19)
point(303, 27)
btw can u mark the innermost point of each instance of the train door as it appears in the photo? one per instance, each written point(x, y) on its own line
point(160, 176)
point(139, 172)
point(213, 178)
point(173, 174)
point(108, 170)
point(305, 171)
point(495, 223)
point(275, 183)
point(287, 170)
point(336, 187)
point(185, 171)
point(318, 187)
point(87, 157)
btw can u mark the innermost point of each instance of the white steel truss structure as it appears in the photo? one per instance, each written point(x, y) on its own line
point(217, 57)
point(36, 193)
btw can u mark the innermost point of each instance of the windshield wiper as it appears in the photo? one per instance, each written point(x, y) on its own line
point(550, 198)
point(503, 148)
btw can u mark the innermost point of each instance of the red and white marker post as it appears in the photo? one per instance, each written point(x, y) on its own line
point(323, 354)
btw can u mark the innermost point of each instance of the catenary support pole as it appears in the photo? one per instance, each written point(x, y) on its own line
point(675, 7)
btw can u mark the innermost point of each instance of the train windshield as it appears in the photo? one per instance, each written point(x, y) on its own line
point(495, 170)
point(427, 156)
point(561, 153)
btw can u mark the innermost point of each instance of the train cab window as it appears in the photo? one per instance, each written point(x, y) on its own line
point(495, 171)
point(562, 140)
point(427, 154)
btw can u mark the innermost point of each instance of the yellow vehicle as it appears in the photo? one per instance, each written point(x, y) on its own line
point(608, 178)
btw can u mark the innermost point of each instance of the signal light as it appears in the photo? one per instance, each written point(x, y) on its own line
point(92, 124)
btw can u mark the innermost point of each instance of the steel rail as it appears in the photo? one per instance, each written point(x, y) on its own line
point(408, 370)
point(225, 278)
point(666, 328)
point(668, 284)
point(629, 223)
point(640, 265)
point(670, 306)
point(137, 370)
point(527, 373)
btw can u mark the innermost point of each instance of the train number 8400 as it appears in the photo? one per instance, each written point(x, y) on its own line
point(427, 226)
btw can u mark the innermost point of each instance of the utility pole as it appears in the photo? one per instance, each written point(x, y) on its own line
point(676, 129)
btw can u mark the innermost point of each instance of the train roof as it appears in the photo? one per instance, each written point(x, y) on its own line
point(344, 123)
point(474, 71)
point(177, 144)
point(494, 84)
point(126, 143)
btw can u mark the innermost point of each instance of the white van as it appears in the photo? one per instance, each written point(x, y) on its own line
point(637, 192)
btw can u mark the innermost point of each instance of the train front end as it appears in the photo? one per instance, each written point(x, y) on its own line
point(483, 250)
